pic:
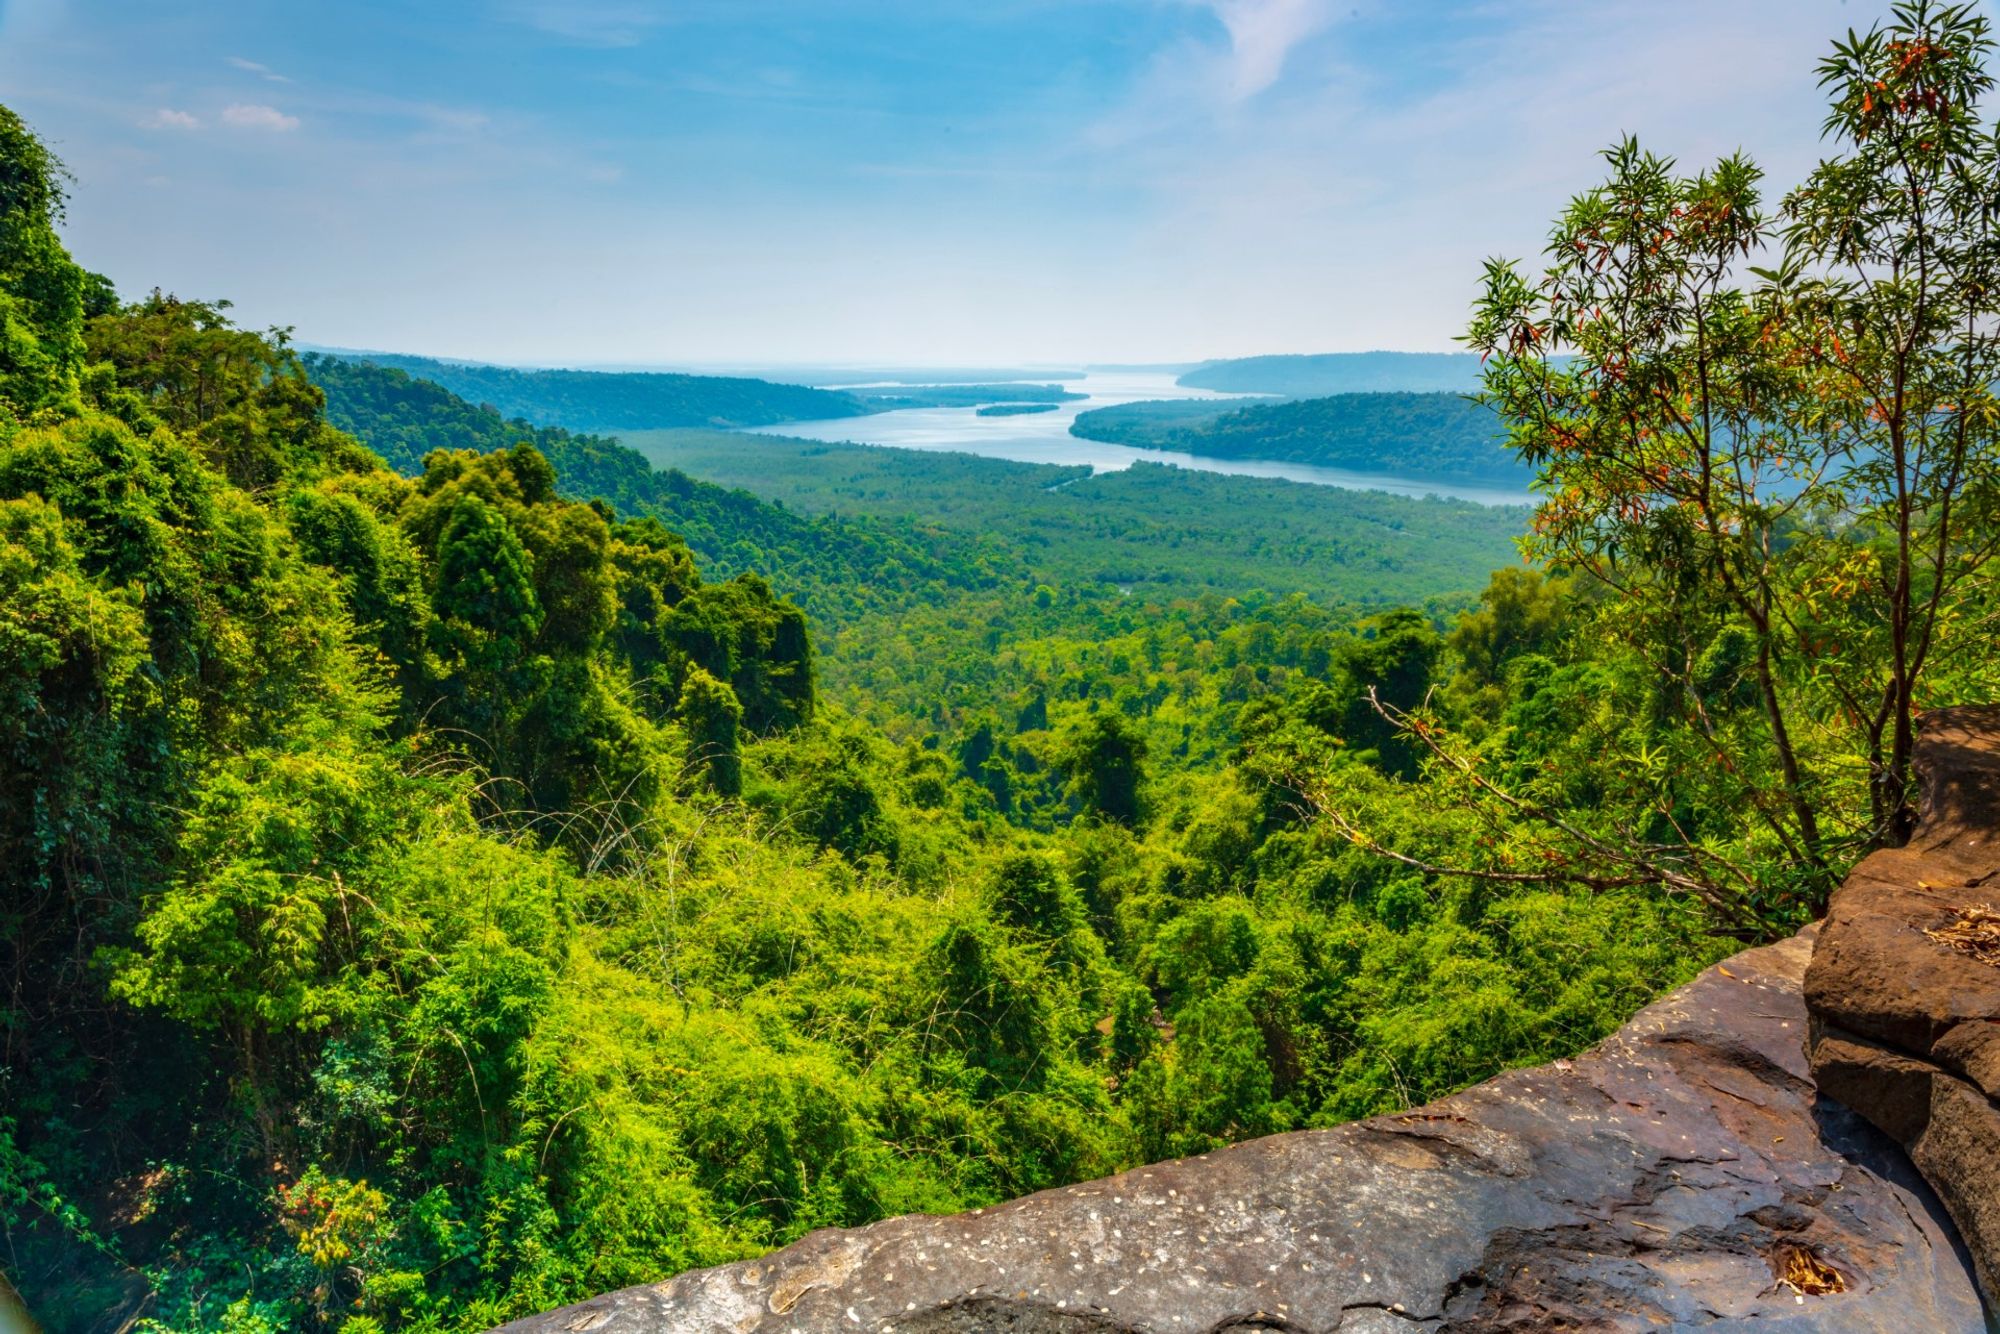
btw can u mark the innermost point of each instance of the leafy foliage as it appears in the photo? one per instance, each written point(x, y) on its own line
point(41, 288)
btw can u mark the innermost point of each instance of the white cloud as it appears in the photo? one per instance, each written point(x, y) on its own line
point(252, 67)
point(1269, 186)
point(1192, 82)
point(253, 116)
point(166, 118)
point(1262, 34)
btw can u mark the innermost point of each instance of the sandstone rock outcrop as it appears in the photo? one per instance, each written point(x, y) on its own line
point(1674, 1177)
point(1906, 1012)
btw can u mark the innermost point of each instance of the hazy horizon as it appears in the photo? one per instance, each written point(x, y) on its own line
point(707, 185)
point(826, 366)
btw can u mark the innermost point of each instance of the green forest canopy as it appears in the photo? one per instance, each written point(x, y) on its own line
point(832, 568)
point(434, 900)
point(1172, 530)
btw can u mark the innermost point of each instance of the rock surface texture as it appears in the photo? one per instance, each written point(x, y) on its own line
point(1670, 1179)
point(1905, 1024)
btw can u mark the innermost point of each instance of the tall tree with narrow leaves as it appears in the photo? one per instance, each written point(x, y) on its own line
point(1790, 468)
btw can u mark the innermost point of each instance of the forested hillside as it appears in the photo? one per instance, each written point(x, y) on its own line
point(833, 568)
point(434, 893)
point(619, 400)
point(1444, 436)
point(1159, 416)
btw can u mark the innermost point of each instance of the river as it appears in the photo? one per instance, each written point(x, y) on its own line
point(1044, 437)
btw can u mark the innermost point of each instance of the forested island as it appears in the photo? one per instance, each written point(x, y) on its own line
point(1441, 436)
point(454, 864)
point(1015, 409)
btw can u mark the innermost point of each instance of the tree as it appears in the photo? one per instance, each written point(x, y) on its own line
point(1102, 758)
point(1795, 473)
point(654, 573)
point(1892, 278)
point(485, 579)
point(742, 633)
point(712, 719)
point(1394, 664)
point(1519, 611)
point(1031, 894)
point(71, 653)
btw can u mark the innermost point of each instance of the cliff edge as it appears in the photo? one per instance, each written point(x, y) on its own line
point(1904, 988)
point(1697, 1169)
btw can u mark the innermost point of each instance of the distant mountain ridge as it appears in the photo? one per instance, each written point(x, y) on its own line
point(845, 376)
point(1317, 375)
point(964, 395)
point(629, 400)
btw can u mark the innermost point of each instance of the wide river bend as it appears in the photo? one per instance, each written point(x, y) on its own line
point(1044, 437)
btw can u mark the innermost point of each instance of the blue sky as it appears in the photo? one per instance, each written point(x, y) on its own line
point(733, 182)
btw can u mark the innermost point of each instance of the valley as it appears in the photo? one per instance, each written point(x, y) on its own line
point(688, 778)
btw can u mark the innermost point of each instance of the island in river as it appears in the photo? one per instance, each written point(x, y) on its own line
point(1014, 409)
